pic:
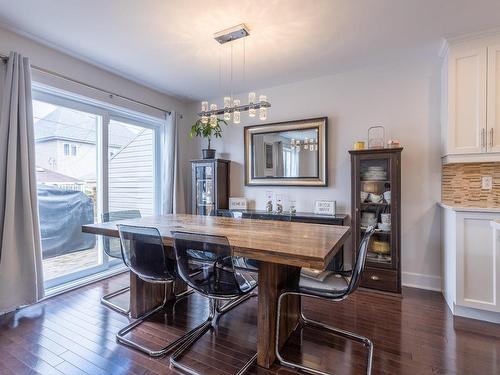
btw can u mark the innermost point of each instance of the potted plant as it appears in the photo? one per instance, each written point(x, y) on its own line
point(206, 130)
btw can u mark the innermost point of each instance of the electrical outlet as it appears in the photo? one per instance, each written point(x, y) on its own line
point(486, 182)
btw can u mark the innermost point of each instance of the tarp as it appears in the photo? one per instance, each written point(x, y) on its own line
point(62, 214)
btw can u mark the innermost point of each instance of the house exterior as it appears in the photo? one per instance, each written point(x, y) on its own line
point(66, 143)
point(66, 158)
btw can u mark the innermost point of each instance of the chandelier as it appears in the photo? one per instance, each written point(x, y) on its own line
point(234, 107)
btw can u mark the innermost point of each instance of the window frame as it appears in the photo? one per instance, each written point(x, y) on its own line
point(106, 112)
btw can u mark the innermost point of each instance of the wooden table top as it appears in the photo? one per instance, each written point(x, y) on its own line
point(283, 242)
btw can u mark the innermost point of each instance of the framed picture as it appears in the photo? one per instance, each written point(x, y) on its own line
point(325, 207)
point(237, 203)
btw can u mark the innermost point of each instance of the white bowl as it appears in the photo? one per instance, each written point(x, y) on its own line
point(376, 198)
point(386, 218)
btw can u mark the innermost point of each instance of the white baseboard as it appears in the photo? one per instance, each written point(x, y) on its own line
point(468, 312)
point(421, 281)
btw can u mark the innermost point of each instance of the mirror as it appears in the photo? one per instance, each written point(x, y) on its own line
point(288, 153)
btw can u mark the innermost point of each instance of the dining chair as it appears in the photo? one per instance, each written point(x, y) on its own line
point(247, 264)
point(334, 287)
point(144, 254)
point(218, 280)
point(112, 248)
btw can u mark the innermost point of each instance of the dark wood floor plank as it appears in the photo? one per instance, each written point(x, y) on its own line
point(74, 334)
point(15, 365)
point(68, 369)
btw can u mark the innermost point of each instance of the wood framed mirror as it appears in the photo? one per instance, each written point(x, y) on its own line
point(291, 153)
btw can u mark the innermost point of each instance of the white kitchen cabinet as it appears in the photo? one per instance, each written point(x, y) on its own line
point(467, 100)
point(493, 105)
point(471, 100)
point(471, 266)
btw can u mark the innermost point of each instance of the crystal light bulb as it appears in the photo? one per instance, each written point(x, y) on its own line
point(204, 108)
point(251, 101)
point(227, 108)
point(213, 116)
point(262, 110)
point(236, 113)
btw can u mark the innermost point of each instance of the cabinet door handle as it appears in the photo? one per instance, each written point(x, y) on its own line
point(483, 141)
point(374, 278)
point(491, 138)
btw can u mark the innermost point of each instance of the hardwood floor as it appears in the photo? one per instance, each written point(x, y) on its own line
point(74, 334)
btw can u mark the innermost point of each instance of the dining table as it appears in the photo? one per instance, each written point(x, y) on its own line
point(281, 248)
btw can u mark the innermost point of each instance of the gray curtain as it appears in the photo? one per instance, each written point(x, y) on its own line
point(171, 183)
point(21, 279)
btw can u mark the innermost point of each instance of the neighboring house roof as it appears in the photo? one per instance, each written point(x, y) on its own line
point(75, 126)
point(47, 176)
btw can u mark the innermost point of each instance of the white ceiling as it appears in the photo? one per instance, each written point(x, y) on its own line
point(168, 45)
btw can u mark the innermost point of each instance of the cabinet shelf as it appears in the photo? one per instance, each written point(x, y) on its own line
point(375, 204)
point(379, 231)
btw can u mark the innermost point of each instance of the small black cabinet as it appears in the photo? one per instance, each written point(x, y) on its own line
point(210, 185)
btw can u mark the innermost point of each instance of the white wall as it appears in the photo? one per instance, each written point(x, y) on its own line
point(401, 95)
point(64, 64)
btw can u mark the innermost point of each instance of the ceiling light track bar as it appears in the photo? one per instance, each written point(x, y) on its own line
point(232, 34)
point(241, 108)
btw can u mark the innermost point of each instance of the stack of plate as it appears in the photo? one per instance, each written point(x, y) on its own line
point(375, 173)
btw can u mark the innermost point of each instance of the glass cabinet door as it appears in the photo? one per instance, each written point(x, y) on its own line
point(375, 209)
point(204, 184)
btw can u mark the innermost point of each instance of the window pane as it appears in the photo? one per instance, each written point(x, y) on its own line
point(66, 187)
point(131, 168)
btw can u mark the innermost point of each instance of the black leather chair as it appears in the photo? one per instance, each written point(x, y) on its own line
point(144, 254)
point(334, 287)
point(112, 248)
point(214, 277)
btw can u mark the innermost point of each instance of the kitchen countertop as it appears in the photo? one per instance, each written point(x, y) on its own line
point(469, 209)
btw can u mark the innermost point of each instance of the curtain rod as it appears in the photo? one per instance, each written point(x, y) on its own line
point(66, 78)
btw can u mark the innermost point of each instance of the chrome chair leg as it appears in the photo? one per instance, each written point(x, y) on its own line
point(105, 300)
point(309, 322)
point(120, 336)
point(210, 322)
point(233, 303)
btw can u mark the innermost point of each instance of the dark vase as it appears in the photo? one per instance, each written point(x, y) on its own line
point(208, 153)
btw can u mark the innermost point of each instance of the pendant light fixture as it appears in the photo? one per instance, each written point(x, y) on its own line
point(233, 107)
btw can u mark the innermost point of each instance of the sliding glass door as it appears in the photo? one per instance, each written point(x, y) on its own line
point(89, 161)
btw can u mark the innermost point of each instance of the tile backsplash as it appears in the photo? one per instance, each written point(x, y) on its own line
point(461, 185)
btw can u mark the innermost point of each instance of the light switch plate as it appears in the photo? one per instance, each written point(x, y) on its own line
point(486, 182)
